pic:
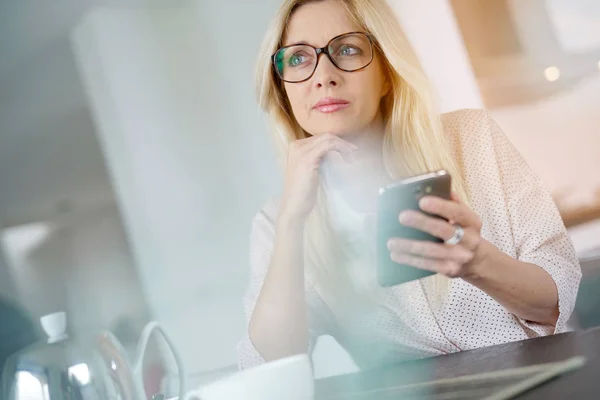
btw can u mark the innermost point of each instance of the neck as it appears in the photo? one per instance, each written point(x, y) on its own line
point(369, 141)
point(359, 181)
point(369, 156)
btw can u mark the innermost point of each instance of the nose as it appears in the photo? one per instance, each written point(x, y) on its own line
point(326, 73)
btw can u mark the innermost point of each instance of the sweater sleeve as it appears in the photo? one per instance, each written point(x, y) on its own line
point(539, 234)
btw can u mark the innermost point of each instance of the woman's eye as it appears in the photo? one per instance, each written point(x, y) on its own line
point(349, 51)
point(296, 59)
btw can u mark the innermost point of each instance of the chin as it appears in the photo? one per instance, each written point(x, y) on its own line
point(337, 131)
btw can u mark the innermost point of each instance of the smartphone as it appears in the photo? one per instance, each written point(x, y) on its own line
point(393, 199)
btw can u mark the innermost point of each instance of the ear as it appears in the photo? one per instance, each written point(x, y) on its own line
point(386, 87)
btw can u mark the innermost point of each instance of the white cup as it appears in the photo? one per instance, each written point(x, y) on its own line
point(289, 378)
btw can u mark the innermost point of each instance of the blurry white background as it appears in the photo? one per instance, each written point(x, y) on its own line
point(576, 23)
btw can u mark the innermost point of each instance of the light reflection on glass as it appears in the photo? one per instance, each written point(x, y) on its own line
point(29, 387)
point(80, 372)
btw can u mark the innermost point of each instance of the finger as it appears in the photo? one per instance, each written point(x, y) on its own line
point(328, 140)
point(434, 226)
point(439, 228)
point(470, 240)
point(427, 264)
point(425, 249)
point(316, 154)
point(445, 267)
point(450, 210)
point(455, 197)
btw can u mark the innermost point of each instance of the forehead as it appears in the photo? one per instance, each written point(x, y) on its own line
point(316, 23)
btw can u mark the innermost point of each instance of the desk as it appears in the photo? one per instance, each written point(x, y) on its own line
point(581, 384)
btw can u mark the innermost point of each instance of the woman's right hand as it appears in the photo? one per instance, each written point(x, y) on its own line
point(302, 173)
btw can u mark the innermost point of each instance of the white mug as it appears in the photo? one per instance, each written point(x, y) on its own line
point(289, 378)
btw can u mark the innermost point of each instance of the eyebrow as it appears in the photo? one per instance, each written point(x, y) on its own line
point(304, 42)
point(295, 43)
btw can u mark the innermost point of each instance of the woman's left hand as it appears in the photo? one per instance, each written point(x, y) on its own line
point(453, 260)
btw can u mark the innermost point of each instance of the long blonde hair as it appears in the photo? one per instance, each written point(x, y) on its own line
point(414, 140)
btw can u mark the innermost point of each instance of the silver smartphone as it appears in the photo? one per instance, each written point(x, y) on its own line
point(393, 199)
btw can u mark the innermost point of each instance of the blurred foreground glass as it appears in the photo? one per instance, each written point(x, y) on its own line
point(67, 368)
point(61, 368)
point(349, 52)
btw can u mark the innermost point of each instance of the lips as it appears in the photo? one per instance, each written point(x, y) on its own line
point(329, 105)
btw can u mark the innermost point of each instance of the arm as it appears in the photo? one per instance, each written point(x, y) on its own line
point(541, 241)
point(277, 305)
point(538, 279)
point(524, 289)
point(262, 260)
point(279, 324)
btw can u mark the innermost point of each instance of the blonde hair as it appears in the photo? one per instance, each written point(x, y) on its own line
point(414, 140)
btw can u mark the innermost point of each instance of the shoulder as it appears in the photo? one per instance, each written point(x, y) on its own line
point(473, 133)
point(465, 123)
point(465, 116)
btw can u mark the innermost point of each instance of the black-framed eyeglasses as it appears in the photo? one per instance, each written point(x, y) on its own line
point(349, 52)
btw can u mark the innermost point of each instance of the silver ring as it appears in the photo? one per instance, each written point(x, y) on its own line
point(459, 232)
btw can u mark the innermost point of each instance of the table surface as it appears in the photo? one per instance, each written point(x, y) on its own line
point(581, 384)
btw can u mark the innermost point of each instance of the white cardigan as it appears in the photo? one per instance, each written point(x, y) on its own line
point(519, 217)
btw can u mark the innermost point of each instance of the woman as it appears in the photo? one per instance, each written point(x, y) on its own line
point(349, 121)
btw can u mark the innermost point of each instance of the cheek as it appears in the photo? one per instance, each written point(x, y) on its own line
point(370, 90)
point(297, 96)
point(376, 81)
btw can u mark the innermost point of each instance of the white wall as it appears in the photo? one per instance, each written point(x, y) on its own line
point(189, 157)
point(48, 150)
point(577, 24)
point(433, 31)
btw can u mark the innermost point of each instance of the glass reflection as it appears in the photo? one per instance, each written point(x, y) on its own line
point(81, 373)
point(29, 387)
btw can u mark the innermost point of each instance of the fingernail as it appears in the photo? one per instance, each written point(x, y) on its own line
point(425, 202)
point(404, 218)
